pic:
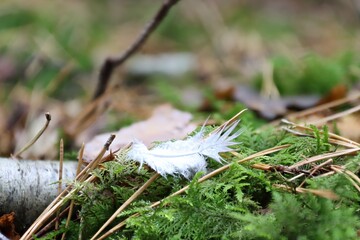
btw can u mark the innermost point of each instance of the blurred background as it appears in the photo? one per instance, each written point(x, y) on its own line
point(207, 57)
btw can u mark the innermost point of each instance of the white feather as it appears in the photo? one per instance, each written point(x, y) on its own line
point(185, 157)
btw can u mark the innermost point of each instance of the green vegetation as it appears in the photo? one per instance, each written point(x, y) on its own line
point(312, 74)
point(241, 202)
point(231, 43)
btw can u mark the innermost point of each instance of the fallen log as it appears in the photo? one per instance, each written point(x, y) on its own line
point(28, 186)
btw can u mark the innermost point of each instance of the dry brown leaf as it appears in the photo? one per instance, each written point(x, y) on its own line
point(337, 92)
point(166, 123)
point(271, 108)
point(7, 226)
point(349, 127)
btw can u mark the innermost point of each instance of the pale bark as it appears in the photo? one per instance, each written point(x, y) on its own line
point(28, 186)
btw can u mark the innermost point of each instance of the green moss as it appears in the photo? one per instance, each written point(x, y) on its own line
point(312, 74)
point(238, 203)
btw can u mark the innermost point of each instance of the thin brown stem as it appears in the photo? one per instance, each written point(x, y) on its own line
point(37, 136)
point(127, 203)
point(110, 64)
point(71, 207)
point(60, 180)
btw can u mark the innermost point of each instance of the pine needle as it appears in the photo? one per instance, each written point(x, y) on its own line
point(60, 180)
point(71, 207)
point(127, 203)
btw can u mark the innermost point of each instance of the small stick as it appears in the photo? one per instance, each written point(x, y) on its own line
point(98, 159)
point(60, 180)
point(202, 179)
point(37, 136)
point(71, 207)
point(111, 63)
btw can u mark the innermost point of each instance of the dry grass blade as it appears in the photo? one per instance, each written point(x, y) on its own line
point(37, 136)
point(318, 192)
point(71, 207)
point(262, 166)
point(51, 224)
point(324, 156)
point(335, 116)
point(60, 179)
point(349, 175)
point(202, 179)
point(296, 177)
point(225, 167)
point(127, 203)
point(316, 168)
point(230, 121)
point(325, 106)
point(334, 138)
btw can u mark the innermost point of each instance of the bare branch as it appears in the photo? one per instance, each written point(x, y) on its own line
point(110, 64)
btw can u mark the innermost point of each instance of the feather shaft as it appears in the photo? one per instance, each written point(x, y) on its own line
point(185, 157)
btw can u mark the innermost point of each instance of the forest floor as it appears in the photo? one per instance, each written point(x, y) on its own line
point(205, 62)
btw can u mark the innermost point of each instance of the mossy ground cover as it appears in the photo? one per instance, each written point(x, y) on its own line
point(57, 55)
point(242, 202)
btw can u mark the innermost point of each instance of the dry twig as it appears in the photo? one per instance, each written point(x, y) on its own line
point(37, 136)
point(111, 63)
